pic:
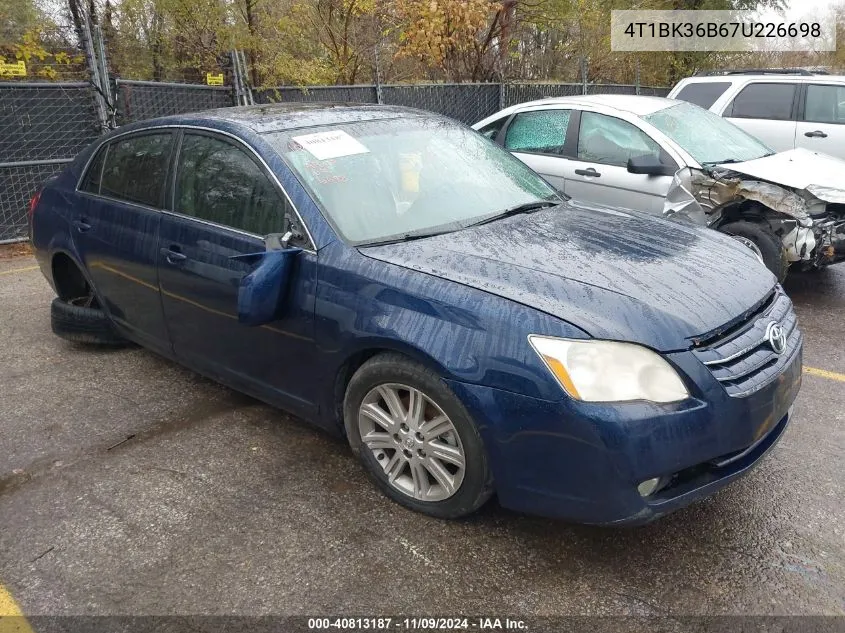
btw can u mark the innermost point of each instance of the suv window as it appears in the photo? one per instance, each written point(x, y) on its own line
point(541, 131)
point(219, 182)
point(91, 182)
point(136, 168)
point(763, 101)
point(703, 94)
point(612, 141)
point(825, 104)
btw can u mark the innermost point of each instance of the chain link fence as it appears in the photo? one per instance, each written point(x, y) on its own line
point(44, 125)
point(139, 100)
point(317, 94)
point(465, 102)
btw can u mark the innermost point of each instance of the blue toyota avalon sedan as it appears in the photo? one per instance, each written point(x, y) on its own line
point(395, 277)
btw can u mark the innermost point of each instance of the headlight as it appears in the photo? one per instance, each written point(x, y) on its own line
point(605, 371)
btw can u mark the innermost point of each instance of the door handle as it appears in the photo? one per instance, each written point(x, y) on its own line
point(173, 255)
point(81, 225)
point(815, 134)
point(592, 173)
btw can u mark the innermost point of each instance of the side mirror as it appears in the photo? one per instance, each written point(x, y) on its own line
point(262, 292)
point(650, 165)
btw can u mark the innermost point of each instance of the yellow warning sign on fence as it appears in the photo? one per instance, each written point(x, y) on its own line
point(214, 80)
point(12, 69)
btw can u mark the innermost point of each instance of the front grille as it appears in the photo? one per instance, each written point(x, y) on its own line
point(743, 360)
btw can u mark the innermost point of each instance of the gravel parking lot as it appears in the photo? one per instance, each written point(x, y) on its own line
point(129, 485)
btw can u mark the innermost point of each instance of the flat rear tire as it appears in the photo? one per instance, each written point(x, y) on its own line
point(80, 320)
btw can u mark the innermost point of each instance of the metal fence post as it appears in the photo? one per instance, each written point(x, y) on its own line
point(243, 92)
point(105, 81)
point(93, 68)
point(379, 96)
point(637, 74)
point(501, 95)
point(583, 75)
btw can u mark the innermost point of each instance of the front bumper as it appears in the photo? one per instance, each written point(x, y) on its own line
point(583, 462)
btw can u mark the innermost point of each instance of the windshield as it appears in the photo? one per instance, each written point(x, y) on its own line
point(707, 137)
point(412, 176)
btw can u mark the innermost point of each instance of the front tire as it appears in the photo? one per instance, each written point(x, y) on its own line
point(415, 438)
point(768, 245)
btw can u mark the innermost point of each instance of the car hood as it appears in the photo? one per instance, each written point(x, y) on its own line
point(618, 276)
point(796, 168)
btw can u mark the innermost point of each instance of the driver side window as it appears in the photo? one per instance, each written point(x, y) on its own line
point(219, 182)
point(611, 141)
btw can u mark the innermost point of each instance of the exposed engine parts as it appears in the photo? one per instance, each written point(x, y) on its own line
point(809, 222)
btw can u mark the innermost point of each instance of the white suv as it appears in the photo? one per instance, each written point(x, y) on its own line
point(783, 108)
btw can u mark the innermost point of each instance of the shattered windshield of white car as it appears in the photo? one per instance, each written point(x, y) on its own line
point(705, 136)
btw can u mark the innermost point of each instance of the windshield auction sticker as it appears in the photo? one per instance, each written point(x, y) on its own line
point(333, 144)
point(717, 31)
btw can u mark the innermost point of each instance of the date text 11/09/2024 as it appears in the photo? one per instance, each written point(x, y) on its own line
point(417, 624)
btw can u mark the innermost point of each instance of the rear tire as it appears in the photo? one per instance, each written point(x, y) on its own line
point(75, 320)
point(417, 469)
point(770, 246)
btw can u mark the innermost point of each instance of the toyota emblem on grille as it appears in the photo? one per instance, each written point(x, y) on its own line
point(776, 336)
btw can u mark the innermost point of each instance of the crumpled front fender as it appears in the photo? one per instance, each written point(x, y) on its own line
point(699, 196)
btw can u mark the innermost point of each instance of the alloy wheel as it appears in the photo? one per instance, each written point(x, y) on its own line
point(413, 440)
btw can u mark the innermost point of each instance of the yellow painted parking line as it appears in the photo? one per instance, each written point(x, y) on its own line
point(823, 373)
point(12, 619)
point(18, 270)
point(8, 606)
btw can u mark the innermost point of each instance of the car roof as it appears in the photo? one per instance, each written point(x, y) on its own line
point(744, 76)
point(284, 116)
point(636, 104)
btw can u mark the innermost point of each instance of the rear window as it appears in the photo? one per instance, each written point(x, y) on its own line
point(136, 169)
point(771, 101)
point(703, 94)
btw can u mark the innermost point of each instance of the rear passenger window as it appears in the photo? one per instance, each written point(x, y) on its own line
point(219, 182)
point(703, 94)
point(91, 182)
point(543, 131)
point(763, 101)
point(136, 168)
point(825, 104)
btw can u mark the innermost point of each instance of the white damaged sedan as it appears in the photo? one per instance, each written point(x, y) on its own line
point(673, 158)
